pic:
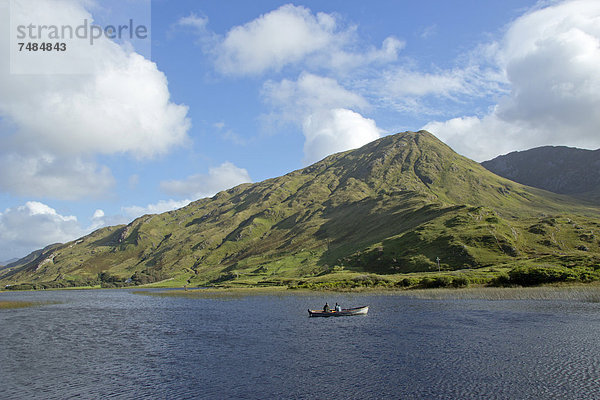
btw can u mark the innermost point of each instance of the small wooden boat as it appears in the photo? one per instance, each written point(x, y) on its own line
point(344, 313)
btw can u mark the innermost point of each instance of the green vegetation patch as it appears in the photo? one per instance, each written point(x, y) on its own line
point(5, 304)
point(540, 275)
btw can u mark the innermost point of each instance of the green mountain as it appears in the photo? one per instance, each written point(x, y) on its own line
point(393, 206)
point(557, 169)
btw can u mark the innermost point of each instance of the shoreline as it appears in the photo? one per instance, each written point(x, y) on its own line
point(576, 293)
point(556, 291)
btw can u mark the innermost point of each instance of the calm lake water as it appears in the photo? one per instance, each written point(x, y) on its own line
point(116, 344)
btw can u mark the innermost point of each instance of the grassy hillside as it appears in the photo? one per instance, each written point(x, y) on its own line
point(393, 206)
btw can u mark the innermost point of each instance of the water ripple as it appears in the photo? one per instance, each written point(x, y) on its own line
point(117, 345)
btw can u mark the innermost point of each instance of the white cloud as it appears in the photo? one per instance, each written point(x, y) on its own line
point(321, 106)
point(98, 214)
point(65, 178)
point(310, 93)
point(401, 82)
point(198, 25)
point(219, 178)
point(336, 130)
point(275, 39)
point(122, 106)
point(292, 35)
point(550, 58)
point(129, 213)
point(408, 89)
point(428, 31)
point(341, 60)
point(35, 225)
point(479, 138)
point(98, 220)
point(194, 21)
point(225, 176)
point(162, 206)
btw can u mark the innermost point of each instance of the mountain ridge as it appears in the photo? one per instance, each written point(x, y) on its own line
point(559, 169)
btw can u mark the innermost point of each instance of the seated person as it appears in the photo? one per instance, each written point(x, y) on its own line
point(338, 308)
point(326, 308)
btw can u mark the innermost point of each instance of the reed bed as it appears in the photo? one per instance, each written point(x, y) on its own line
point(576, 293)
point(16, 304)
point(8, 304)
point(566, 293)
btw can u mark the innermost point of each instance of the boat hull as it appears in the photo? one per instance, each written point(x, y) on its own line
point(346, 312)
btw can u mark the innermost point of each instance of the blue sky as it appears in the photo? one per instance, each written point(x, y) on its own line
point(225, 93)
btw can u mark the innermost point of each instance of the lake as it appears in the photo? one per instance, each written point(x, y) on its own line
point(117, 344)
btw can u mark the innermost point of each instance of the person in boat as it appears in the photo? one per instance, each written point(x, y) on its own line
point(326, 308)
point(338, 308)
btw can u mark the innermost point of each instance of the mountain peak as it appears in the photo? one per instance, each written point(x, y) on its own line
point(393, 205)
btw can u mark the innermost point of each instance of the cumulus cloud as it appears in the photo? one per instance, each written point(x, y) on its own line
point(122, 108)
point(292, 35)
point(293, 100)
point(479, 138)
point(35, 225)
point(43, 174)
point(122, 105)
point(280, 37)
point(323, 109)
point(336, 130)
point(550, 58)
point(225, 176)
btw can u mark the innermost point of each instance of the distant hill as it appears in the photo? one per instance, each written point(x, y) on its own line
point(31, 256)
point(6, 264)
point(557, 169)
point(15, 262)
point(395, 205)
